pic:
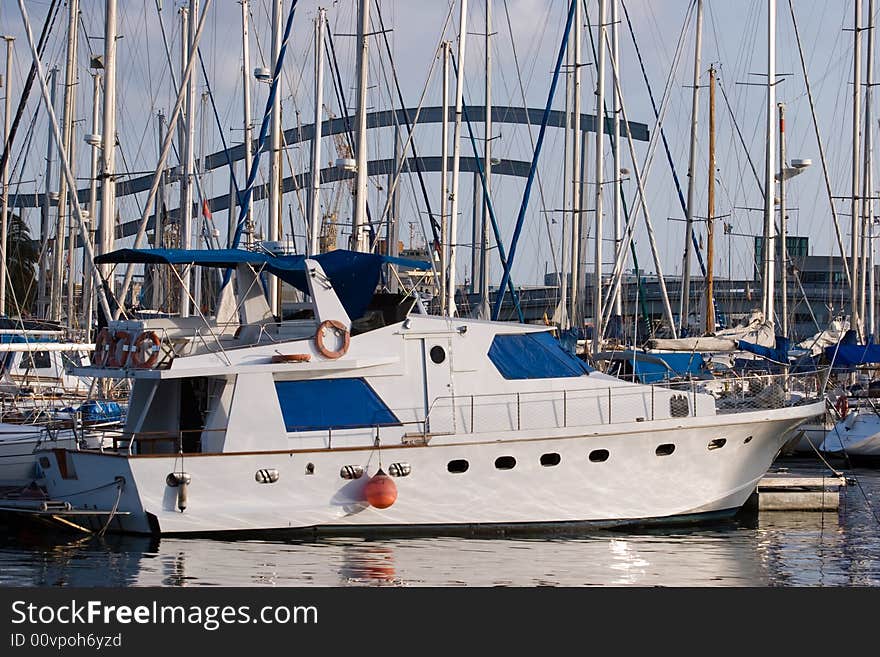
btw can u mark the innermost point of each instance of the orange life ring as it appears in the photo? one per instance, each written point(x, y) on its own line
point(138, 357)
point(319, 339)
point(102, 347)
point(842, 406)
point(119, 349)
point(291, 358)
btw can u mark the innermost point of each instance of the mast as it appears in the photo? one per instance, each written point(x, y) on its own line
point(684, 303)
point(710, 217)
point(108, 146)
point(42, 273)
point(783, 224)
point(577, 168)
point(88, 292)
point(868, 183)
point(189, 162)
point(4, 174)
point(246, 109)
point(159, 226)
point(600, 151)
point(70, 76)
point(615, 103)
point(769, 169)
point(444, 166)
point(483, 311)
point(315, 192)
point(359, 236)
point(575, 316)
point(275, 159)
point(855, 318)
point(456, 156)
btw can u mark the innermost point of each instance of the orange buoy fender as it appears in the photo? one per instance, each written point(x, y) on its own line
point(381, 491)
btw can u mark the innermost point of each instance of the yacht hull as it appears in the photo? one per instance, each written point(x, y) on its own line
point(603, 474)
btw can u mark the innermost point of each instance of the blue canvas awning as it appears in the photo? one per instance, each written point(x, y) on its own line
point(354, 275)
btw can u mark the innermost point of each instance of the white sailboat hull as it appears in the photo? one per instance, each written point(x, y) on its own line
point(858, 435)
point(18, 451)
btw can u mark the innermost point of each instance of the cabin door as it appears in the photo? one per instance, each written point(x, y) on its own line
point(437, 360)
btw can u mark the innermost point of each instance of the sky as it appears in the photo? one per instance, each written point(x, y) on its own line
point(734, 41)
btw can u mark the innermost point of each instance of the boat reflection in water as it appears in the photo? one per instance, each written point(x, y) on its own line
point(770, 549)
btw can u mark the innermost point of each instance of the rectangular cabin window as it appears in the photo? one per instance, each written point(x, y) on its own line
point(36, 360)
point(331, 404)
point(534, 356)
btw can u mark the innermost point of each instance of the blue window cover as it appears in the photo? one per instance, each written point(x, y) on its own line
point(331, 404)
point(534, 356)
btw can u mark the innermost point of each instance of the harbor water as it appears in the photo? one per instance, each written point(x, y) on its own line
point(834, 548)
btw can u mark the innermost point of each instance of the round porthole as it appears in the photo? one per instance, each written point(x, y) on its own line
point(438, 354)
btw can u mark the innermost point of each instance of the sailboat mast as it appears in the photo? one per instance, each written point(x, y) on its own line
point(617, 301)
point(855, 221)
point(88, 292)
point(246, 115)
point(770, 168)
point(108, 147)
point(684, 303)
point(575, 316)
point(315, 191)
point(484, 310)
point(456, 157)
point(70, 75)
point(189, 162)
point(42, 272)
point(4, 203)
point(600, 152)
point(359, 232)
point(274, 229)
point(710, 216)
point(868, 182)
point(444, 167)
point(577, 166)
point(783, 224)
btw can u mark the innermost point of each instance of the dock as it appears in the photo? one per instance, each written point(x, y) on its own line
point(788, 491)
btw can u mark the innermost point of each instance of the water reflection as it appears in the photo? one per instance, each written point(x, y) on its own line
point(772, 549)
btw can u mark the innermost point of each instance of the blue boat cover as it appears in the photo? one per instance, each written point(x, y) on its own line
point(320, 404)
point(848, 355)
point(354, 275)
point(534, 356)
point(778, 355)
